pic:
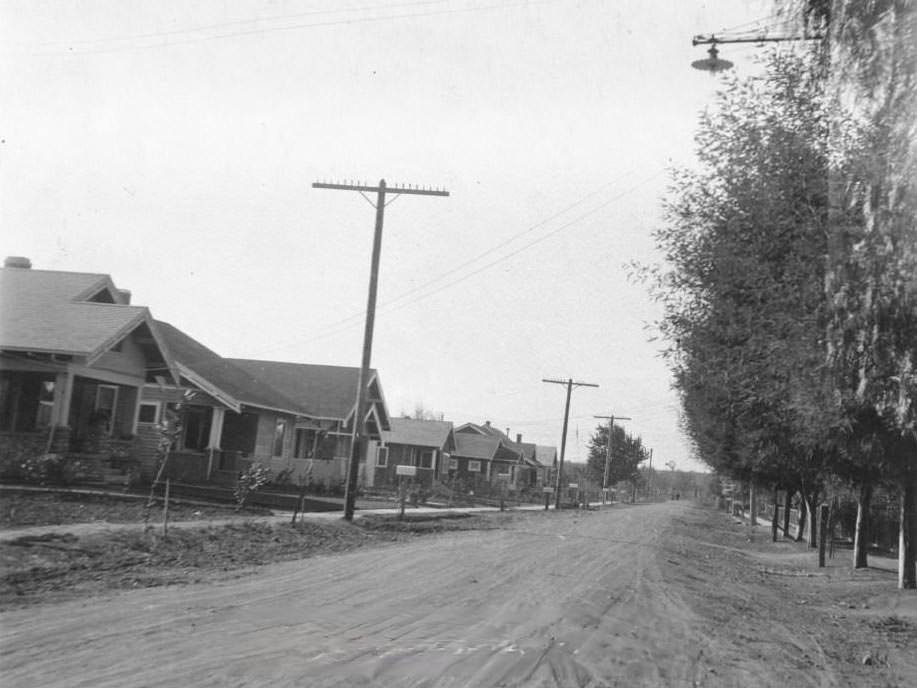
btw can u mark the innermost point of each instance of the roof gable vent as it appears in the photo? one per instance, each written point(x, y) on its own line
point(17, 262)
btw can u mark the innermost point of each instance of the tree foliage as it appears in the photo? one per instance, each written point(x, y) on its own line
point(626, 455)
point(744, 289)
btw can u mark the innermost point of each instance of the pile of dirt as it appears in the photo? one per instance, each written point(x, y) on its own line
point(59, 566)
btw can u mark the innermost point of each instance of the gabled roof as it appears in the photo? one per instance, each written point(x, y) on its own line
point(219, 377)
point(486, 447)
point(419, 433)
point(312, 391)
point(323, 391)
point(47, 311)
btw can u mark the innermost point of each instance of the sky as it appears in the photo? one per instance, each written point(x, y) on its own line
point(173, 145)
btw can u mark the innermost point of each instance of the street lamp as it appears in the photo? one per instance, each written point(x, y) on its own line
point(714, 64)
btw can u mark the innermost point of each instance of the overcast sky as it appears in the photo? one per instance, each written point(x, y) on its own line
point(173, 145)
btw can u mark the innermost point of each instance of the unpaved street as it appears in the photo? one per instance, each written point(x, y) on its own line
point(597, 599)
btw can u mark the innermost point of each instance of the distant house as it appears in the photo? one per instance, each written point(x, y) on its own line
point(520, 464)
point(296, 419)
point(484, 454)
point(424, 444)
point(74, 359)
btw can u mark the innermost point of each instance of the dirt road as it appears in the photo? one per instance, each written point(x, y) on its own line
point(602, 598)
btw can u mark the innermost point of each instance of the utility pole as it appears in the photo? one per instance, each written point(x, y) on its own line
point(611, 430)
point(358, 439)
point(563, 440)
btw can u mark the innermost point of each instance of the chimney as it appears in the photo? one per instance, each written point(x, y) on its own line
point(487, 423)
point(20, 262)
point(518, 438)
point(125, 296)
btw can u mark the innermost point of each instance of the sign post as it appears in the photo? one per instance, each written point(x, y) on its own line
point(402, 470)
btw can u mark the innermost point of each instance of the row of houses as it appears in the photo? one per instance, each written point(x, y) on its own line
point(86, 374)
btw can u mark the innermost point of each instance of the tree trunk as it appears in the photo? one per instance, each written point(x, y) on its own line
point(860, 546)
point(788, 502)
point(812, 519)
point(801, 518)
point(753, 503)
point(775, 521)
point(907, 536)
point(823, 533)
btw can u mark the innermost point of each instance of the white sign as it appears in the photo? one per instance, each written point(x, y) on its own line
point(573, 486)
point(405, 470)
point(547, 490)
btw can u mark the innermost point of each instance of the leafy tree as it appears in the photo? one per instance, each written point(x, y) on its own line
point(870, 53)
point(744, 289)
point(627, 452)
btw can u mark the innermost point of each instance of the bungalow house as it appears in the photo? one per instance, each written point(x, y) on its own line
point(296, 419)
point(521, 463)
point(483, 454)
point(74, 359)
point(424, 444)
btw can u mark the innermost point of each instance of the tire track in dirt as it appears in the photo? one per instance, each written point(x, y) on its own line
point(555, 600)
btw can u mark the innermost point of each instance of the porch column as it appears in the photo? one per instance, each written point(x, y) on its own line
point(216, 433)
point(63, 394)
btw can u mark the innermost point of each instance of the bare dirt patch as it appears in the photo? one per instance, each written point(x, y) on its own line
point(57, 566)
point(36, 508)
point(770, 602)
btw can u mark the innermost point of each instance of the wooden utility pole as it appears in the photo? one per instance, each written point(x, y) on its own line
point(563, 440)
point(611, 429)
point(358, 441)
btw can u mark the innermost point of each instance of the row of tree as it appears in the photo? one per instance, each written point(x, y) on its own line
point(790, 290)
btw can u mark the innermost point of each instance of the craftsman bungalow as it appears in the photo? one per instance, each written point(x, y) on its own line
point(485, 449)
point(424, 444)
point(294, 418)
point(74, 358)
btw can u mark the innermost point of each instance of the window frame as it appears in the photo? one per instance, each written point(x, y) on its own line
point(473, 466)
point(382, 457)
point(157, 405)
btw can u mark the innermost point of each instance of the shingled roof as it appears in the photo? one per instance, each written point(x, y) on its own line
point(218, 376)
point(53, 312)
point(418, 433)
point(313, 391)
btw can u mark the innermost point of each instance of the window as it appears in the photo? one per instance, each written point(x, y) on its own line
point(149, 412)
point(305, 443)
point(280, 432)
point(382, 456)
point(474, 466)
point(426, 458)
point(453, 464)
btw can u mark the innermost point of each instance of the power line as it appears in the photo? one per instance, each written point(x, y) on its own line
point(345, 324)
point(297, 27)
point(239, 22)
